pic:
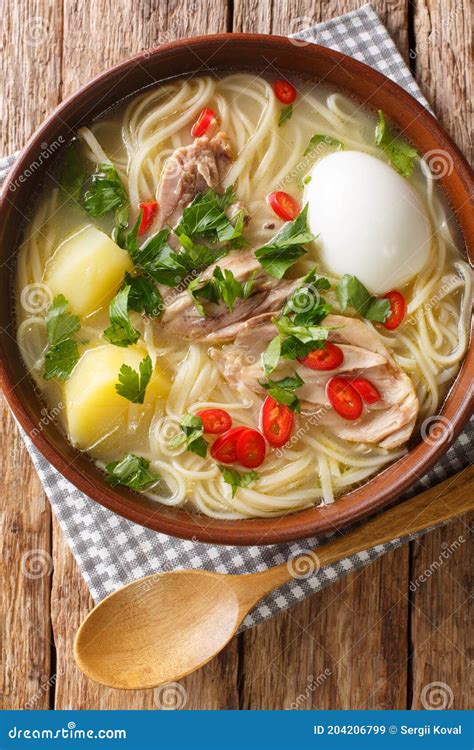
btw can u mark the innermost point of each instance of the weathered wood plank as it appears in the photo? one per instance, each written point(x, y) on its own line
point(124, 29)
point(31, 40)
point(443, 60)
point(440, 618)
point(25, 526)
point(291, 16)
point(344, 648)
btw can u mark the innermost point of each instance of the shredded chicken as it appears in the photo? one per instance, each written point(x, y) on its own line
point(389, 422)
point(191, 170)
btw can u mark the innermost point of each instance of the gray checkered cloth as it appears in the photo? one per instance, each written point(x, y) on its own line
point(112, 551)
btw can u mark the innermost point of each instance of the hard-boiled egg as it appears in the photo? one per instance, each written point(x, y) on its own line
point(369, 220)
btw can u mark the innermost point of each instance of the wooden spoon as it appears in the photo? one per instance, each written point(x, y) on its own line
point(162, 627)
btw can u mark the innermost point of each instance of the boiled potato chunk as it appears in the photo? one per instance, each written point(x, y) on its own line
point(88, 268)
point(95, 410)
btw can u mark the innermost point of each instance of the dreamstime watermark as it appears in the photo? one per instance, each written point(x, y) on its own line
point(45, 685)
point(437, 696)
point(48, 416)
point(312, 420)
point(36, 298)
point(313, 684)
point(303, 564)
point(448, 550)
point(439, 163)
point(176, 29)
point(36, 564)
point(170, 697)
point(434, 39)
point(443, 290)
point(47, 151)
point(436, 430)
point(297, 25)
point(37, 31)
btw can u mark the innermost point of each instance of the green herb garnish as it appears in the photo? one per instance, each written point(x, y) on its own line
point(351, 291)
point(144, 296)
point(285, 114)
point(283, 390)
point(206, 218)
point(131, 471)
point(62, 353)
point(236, 478)
point(286, 247)
point(318, 139)
point(107, 193)
point(399, 153)
point(306, 303)
point(191, 436)
point(220, 286)
point(121, 332)
point(132, 384)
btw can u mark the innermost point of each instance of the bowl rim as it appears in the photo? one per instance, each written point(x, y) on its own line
point(385, 486)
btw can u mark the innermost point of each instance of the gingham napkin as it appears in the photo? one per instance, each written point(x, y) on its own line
point(112, 551)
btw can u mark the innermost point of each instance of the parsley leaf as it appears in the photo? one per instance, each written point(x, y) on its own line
point(120, 332)
point(62, 353)
point(326, 140)
point(144, 296)
point(293, 342)
point(271, 355)
point(132, 384)
point(283, 390)
point(236, 478)
point(107, 193)
point(285, 114)
point(306, 302)
point(221, 286)
point(399, 153)
point(206, 218)
point(73, 174)
point(351, 291)
point(131, 471)
point(286, 247)
point(191, 436)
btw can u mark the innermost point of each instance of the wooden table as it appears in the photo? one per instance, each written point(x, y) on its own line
point(379, 642)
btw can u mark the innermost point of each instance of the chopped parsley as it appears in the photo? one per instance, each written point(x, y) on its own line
point(121, 332)
point(351, 291)
point(131, 471)
point(132, 384)
point(285, 114)
point(399, 153)
point(220, 286)
point(107, 193)
point(320, 138)
point(283, 390)
point(62, 353)
point(144, 296)
point(286, 247)
point(206, 218)
point(236, 478)
point(191, 436)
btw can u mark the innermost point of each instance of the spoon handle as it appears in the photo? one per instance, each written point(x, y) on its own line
point(452, 497)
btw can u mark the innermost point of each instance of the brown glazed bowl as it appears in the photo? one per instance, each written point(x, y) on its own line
point(186, 58)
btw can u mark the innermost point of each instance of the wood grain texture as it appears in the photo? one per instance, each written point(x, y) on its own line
point(269, 666)
point(442, 57)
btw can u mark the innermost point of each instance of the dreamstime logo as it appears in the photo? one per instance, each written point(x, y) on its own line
point(312, 684)
point(304, 299)
point(43, 688)
point(165, 430)
point(439, 163)
point(170, 697)
point(37, 31)
point(47, 150)
point(36, 298)
point(437, 696)
point(36, 563)
point(447, 551)
point(302, 565)
point(296, 26)
point(436, 430)
point(47, 417)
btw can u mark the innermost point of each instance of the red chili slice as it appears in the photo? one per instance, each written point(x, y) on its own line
point(397, 309)
point(251, 448)
point(367, 390)
point(224, 449)
point(284, 91)
point(286, 207)
point(202, 123)
point(277, 422)
point(344, 398)
point(148, 209)
point(328, 357)
point(215, 421)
